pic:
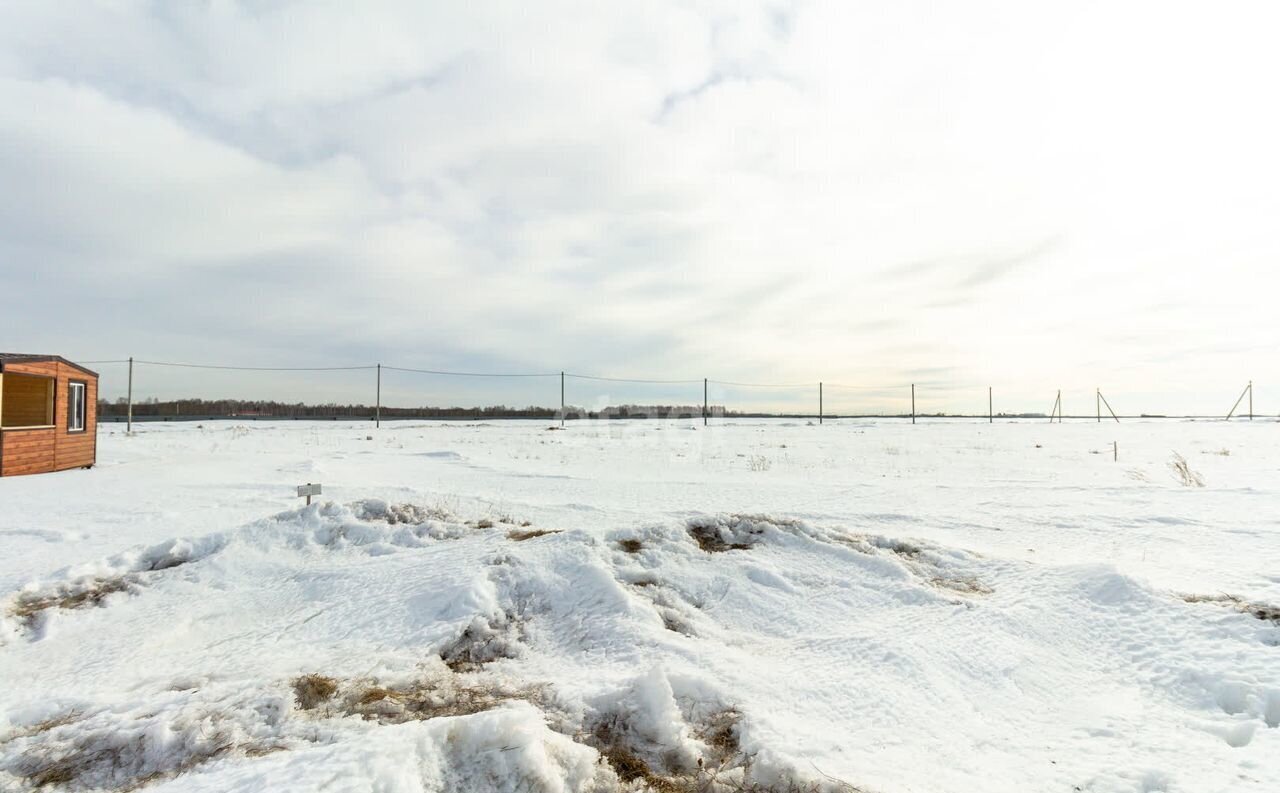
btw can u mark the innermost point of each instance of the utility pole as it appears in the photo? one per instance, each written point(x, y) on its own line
point(1097, 401)
point(562, 400)
point(377, 410)
point(1108, 404)
point(1248, 391)
point(913, 403)
point(129, 420)
point(819, 401)
point(991, 413)
point(704, 401)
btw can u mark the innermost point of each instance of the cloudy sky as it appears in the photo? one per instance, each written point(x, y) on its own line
point(1026, 195)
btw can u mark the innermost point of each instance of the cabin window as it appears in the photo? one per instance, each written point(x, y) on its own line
point(26, 400)
point(75, 407)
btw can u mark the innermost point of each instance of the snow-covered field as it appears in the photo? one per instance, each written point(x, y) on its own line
point(769, 605)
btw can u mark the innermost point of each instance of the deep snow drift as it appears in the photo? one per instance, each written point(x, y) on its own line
point(760, 605)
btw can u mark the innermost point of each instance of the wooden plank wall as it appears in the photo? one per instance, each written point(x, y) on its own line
point(27, 452)
point(39, 451)
point(75, 449)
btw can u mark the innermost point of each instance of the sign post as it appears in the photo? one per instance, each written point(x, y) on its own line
point(309, 490)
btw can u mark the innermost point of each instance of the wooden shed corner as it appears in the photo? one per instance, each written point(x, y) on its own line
point(48, 414)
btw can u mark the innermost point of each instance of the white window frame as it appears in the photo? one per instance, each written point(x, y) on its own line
point(77, 410)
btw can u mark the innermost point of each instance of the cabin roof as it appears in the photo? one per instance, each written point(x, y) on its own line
point(21, 357)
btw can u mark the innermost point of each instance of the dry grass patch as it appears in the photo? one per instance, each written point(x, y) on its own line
point(710, 540)
point(100, 761)
point(900, 547)
point(29, 607)
point(673, 621)
point(1260, 611)
point(631, 546)
point(430, 699)
point(483, 642)
point(445, 695)
point(724, 768)
point(529, 534)
point(967, 585)
point(311, 691)
point(1182, 472)
point(409, 514)
point(53, 722)
point(737, 531)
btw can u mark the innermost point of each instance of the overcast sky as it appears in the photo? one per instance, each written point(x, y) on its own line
point(1026, 195)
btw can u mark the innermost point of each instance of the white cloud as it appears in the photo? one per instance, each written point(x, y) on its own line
point(857, 192)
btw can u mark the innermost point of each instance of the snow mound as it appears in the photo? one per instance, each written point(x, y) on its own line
point(398, 648)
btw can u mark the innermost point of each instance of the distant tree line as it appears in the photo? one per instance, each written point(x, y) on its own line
point(178, 409)
point(258, 408)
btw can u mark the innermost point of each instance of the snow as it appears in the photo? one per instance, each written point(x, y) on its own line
point(951, 606)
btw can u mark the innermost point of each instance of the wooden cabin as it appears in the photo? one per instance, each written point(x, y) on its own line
point(48, 414)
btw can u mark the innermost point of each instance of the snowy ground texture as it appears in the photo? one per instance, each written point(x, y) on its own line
point(762, 606)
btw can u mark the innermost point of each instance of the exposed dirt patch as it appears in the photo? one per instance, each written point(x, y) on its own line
point(711, 540)
point(482, 642)
point(736, 532)
point(631, 546)
point(1264, 611)
point(529, 534)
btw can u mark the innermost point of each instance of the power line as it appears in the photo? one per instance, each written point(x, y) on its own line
point(256, 368)
point(468, 374)
point(628, 380)
point(867, 387)
point(764, 385)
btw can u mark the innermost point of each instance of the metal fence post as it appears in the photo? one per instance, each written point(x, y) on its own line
point(129, 420)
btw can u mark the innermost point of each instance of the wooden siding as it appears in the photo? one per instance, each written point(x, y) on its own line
point(52, 449)
point(74, 449)
point(42, 368)
point(27, 452)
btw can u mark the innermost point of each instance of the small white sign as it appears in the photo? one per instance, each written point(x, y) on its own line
point(308, 490)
